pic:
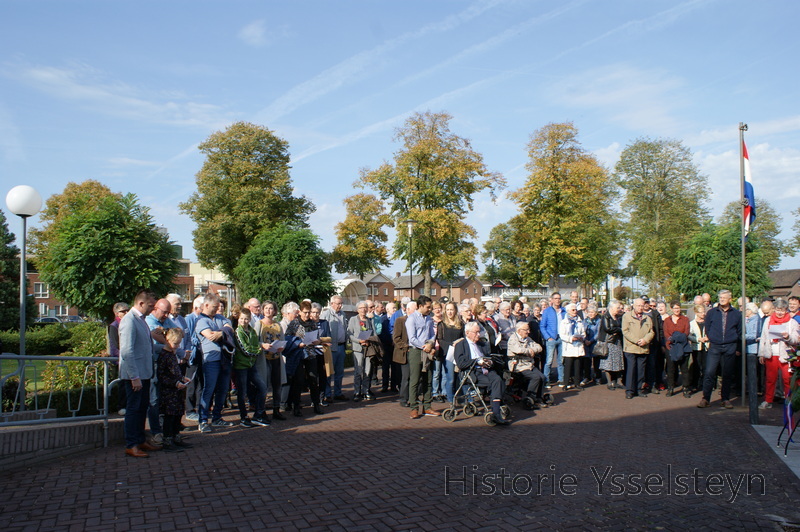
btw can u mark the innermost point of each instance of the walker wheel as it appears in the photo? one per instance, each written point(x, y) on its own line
point(470, 410)
point(529, 403)
point(489, 419)
point(505, 411)
point(449, 415)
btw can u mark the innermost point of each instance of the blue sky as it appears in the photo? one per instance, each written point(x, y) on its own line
point(122, 92)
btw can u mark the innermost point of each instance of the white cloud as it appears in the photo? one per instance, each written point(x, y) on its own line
point(789, 124)
point(354, 68)
point(88, 86)
point(638, 99)
point(255, 33)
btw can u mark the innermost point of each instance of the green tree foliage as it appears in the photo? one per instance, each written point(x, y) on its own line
point(96, 252)
point(508, 263)
point(243, 187)
point(9, 282)
point(565, 226)
point(663, 204)
point(792, 246)
point(711, 261)
point(433, 180)
point(285, 263)
point(361, 246)
point(765, 229)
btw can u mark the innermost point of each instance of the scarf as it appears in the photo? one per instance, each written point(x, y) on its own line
point(775, 320)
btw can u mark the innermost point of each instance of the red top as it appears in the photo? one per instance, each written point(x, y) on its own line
point(671, 327)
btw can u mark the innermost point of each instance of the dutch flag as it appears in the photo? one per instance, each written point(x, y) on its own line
point(749, 197)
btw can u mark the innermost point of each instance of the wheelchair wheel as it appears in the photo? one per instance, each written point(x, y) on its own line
point(548, 399)
point(489, 419)
point(529, 403)
point(470, 409)
point(449, 415)
point(505, 411)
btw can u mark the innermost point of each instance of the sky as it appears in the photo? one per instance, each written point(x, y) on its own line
point(123, 92)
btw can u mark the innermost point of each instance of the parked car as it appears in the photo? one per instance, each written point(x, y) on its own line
point(48, 319)
point(73, 319)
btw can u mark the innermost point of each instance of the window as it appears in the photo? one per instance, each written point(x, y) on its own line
point(61, 310)
point(386, 291)
point(43, 310)
point(433, 292)
point(41, 290)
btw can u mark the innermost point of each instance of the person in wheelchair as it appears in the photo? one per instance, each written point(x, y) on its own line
point(522, 351)
point(473, 355)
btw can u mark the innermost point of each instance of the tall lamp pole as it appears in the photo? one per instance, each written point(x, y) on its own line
point(410, 225)
point(23, 201)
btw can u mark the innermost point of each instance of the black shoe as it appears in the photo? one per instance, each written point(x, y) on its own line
point(500, 422)
point(687, 393)
point(341, 397)
point(276, 414)
point(403, 404)
point(297, 412)
point(670, 392)
point(357, 397)
point(628, 395)
point(182, 444)
point(610, 386)
point(385, 389)
point(318, 409)
point(369, 397)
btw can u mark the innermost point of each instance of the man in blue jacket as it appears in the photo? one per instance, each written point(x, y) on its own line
point(551, 317)
point(723, 329)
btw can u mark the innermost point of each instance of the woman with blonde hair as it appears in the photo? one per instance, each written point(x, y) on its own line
point(448, 332)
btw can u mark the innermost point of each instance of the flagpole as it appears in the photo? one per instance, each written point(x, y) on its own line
point(752, 397)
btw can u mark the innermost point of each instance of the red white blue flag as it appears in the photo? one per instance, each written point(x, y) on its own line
point(749, 197)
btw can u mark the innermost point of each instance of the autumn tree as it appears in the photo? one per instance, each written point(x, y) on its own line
point(285, 263)
point(710, 260)
point(508, 263)
point(361, 239)
point(433, 180)
point(663, 204)
point(9, 282)
point(243, 187)
point(97, 248)
point(765, 229)
point(566, 225)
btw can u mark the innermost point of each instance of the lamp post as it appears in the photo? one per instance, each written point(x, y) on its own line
point(23, 201)
point(410, 225)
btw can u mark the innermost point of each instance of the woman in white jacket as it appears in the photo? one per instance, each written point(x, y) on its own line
point(780, 333)
point(572, 332)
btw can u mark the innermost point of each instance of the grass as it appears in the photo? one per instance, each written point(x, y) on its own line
point(32, 368)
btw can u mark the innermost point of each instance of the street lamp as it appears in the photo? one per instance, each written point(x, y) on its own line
point(410, 225)
point(23, 201)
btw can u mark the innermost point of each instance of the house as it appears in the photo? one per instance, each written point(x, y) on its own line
point(456, 289)
point(785, 283)
point(379, 287)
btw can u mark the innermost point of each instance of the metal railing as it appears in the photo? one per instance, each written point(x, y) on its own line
point(28, 374)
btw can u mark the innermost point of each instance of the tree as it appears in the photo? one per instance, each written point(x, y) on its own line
point(243, 187)
point(285, 263)
point(361, 246)
point(664, 203)
point(9, 282)
point(565, 226)
point(97, 251)
point(508, 262)
point(711, 261)
point(432, 181)
point(765, 229)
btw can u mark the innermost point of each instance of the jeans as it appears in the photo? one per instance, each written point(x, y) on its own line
point(554, 345)
point(448, 376)
point(243, 378)
point(216, 376)
point(717, 355)
point(437, 374)
point(337, 351)
point(135, 412)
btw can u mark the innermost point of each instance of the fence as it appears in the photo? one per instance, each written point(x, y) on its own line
point(20, 406)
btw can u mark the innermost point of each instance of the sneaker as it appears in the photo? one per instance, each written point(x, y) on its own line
point(204, 427)
point(703, 403)
point(260, 421)
point(246, 423)
point(764, 405)
point(727, 404)
point(158, 439)
point(221, 423)
point(193, 416)
point(548, 386)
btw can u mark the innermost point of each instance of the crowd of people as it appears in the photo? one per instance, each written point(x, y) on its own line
point(171, 366)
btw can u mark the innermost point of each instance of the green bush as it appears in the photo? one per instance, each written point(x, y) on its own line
point(50, 340)
point(86, 340)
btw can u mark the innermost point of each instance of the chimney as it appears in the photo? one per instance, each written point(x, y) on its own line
point(397, 274)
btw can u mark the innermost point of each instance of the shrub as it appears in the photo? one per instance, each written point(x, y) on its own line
point(86, 340)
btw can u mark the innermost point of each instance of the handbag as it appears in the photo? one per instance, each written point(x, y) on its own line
point(600, 349)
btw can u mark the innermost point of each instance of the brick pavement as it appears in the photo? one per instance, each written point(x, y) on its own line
point(368, 466)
